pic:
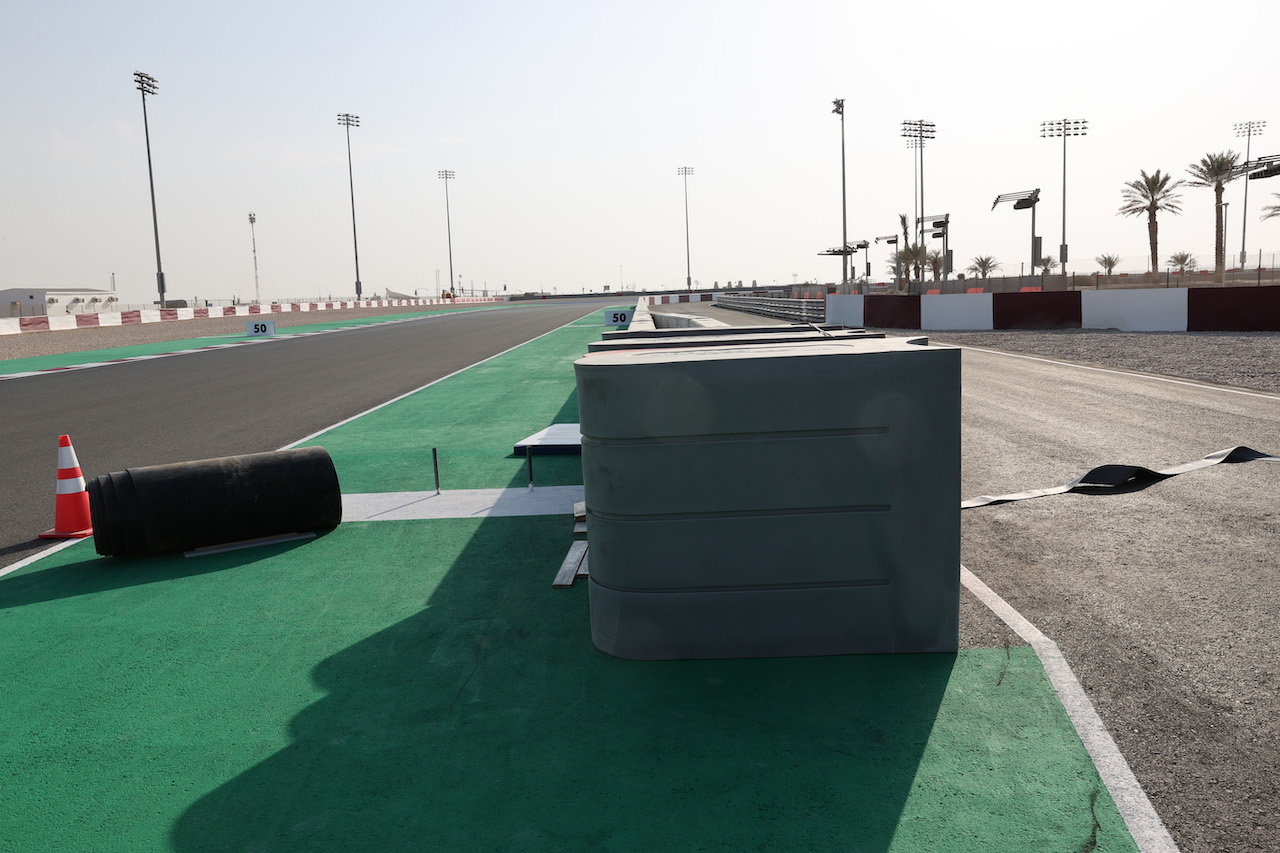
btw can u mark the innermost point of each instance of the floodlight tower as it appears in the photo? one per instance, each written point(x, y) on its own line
point(447, 175)
point(147, 86)
point(1021, 201)
point(1247, 129)
point(685, 172)
point(1064, 127)
point(349, 121)
point(918, 130)
point(844, 199)
point(257, 296)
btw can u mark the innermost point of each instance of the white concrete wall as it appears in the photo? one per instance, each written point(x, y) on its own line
point(1154, 310)
point(845, 309)
point(956, 311)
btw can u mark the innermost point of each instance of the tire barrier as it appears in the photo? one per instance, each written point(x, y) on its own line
point(1118, 479)
point(160, 509)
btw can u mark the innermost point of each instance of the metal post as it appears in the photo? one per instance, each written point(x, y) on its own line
point(435, 464)
point(686, 171)
point(349, 121)
point(257, 296)
point(446, 175)
point(1247, 129)
point(844, 201)
point(147, 86)
point(528, 455)
point(1033, 239)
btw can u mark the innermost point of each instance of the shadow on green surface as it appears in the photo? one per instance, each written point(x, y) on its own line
point(93, 574)
point(488, 721)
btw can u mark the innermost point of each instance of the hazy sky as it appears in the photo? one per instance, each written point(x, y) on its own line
point(565, 123)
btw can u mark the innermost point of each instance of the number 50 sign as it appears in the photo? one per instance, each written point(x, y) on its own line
point(617, 318)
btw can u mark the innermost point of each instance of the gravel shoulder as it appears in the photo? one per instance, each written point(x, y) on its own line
point(1238, 359)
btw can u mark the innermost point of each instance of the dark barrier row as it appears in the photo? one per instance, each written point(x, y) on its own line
point(1217, 309)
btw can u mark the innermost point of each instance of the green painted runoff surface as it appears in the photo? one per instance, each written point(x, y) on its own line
point(419, 685)
point(473, 419)
point(76, 359)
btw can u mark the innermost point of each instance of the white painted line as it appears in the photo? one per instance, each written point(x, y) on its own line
point(1139, 815)
point(1116, 372)
point(461, 503)
point(39, 555)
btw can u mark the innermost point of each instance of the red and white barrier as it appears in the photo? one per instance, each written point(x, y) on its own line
point(17, 325)
point(1228, 309)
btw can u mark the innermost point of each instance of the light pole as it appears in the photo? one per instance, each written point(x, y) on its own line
point(1225, 205)
point(447, 175)
point(349, 121)
point(147, 86)
point(1021, 201)
point(919, 130)
point(685, 172)
point(892, 240)
point(912, 145)
point(1064, 127)
point(257, 296)
point(1247, 129)
point(844, 199)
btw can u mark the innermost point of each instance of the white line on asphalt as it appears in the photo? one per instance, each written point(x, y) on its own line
point(1139, 815)
point(39, 555)
point(1168, 379)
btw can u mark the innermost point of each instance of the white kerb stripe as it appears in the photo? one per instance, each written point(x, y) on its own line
point(1139, 815)
point(71, 487)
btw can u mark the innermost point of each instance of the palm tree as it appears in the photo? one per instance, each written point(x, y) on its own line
point(1047, 263)
point(914, 257)
point(1271, 211)
point(1182, 260)
point(1216, 170)
point(983, 265)
point(1108, 263)
point(935, 260)
point(1150, 194)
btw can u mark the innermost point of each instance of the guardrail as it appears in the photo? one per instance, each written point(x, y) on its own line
point(794, 310)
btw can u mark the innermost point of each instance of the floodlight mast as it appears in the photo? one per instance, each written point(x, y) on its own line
point(918, 130)
point(844, 199)
point(685, 172)
point(349, 121)
point(1064, 127)
point(447, 175)
point(1021, 201)
point(147, 86)
point(1247, 129)
point(257, 295)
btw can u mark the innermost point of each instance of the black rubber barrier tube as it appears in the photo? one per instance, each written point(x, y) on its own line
point(164, 508)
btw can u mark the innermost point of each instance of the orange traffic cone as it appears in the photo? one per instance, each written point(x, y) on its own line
point(71, 518)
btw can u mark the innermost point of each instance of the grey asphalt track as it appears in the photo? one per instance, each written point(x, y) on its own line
point(231, 401)
point(1165, 600)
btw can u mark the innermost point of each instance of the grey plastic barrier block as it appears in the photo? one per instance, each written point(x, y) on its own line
point(773, 499)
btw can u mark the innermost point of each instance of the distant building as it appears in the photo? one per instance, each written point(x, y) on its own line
point(41, 301)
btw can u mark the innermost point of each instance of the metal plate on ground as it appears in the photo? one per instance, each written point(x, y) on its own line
point(557, 438)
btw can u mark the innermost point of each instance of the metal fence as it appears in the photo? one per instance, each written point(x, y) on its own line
point(793, 310)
